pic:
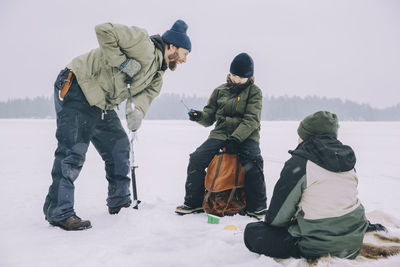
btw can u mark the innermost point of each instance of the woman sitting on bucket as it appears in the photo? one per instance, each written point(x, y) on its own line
point(236, 108)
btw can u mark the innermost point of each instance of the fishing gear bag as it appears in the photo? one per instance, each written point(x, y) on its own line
point(224, 183)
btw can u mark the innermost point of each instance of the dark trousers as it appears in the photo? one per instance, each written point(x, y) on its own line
point(78, 124)
point(270, 241)
point(252, 161)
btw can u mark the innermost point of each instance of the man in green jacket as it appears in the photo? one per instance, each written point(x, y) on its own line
point(314, 210)
point(86, 93)
point(236, 108)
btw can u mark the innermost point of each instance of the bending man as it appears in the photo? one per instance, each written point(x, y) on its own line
point(87, 91)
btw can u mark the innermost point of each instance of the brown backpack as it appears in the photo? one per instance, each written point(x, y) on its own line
point(224, 183)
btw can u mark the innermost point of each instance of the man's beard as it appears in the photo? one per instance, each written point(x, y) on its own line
point(173, 61)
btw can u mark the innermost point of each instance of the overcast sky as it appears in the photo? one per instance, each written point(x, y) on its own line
point(339, 48)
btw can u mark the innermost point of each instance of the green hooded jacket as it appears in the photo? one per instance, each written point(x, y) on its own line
point(316, 199)
point(97, 73)
point(237, 111)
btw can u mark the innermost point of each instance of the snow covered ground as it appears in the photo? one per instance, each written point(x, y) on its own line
point(154, 235)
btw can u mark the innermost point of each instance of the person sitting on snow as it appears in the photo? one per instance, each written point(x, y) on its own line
point(236, 107)
point(314, 210)
point(97, 83)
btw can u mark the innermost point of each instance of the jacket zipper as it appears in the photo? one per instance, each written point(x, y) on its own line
point(237, 103)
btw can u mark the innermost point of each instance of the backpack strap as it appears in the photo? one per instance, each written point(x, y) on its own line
point(234, 187)
point(215, 178)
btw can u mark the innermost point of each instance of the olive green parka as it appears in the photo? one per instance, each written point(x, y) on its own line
point(97, 73)
point(237, 111)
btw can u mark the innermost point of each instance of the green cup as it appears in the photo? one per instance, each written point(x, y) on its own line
point(213, 219)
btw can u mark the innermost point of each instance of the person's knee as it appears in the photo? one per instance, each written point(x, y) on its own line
point(248, 233)
point(252, 236)
point(198, 160)
point(251, 164)
point(72, 164)
point(255, 180)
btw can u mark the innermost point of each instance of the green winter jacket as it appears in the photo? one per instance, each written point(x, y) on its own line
point(97, 73)
point(316, 199)
point(237, 112)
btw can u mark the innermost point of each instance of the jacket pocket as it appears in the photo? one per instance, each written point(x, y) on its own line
point(60, 79)
point(58, 101)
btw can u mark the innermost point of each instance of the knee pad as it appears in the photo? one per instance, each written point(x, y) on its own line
point(72, 164)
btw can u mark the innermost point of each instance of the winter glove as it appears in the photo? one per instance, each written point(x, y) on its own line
point(376, 227)
point(134, 118)
point(130, 67)
point(232, 145)
point(194, 115)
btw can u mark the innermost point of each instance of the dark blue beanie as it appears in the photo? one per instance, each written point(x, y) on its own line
point(242, 66)
point(177, 35)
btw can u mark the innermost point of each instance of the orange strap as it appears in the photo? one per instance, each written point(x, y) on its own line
point(215, 177)
point(234, 187)
point(67, 84)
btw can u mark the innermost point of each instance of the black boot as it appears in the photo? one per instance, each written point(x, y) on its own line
point(115, 210)
point(183, 210)
point(259, 214)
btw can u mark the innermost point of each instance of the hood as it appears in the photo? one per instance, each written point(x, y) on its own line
point(327, 152)
point(159, 44)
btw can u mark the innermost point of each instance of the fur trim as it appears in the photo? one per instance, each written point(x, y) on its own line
point(380, 245)
point(379, 248)
point(228, 79)
point(371, 251)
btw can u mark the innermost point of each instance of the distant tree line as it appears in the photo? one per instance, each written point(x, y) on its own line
point(39, 107)
point(170, 107)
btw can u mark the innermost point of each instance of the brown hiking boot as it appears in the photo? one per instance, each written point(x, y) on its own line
point(115, 210)
point(73, 223)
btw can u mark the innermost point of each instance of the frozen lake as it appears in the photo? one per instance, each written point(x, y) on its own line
point(154, 235)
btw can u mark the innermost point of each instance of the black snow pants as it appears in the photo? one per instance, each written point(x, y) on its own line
point(78, 124)
point(252, 161)
point(270, 241)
